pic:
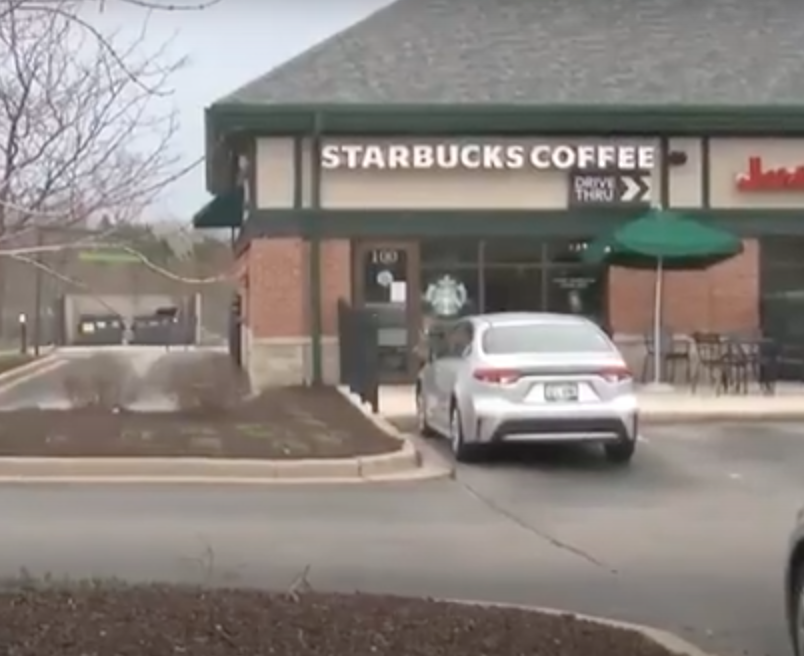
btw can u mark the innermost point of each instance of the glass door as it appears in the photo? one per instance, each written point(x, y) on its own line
point(386, 280)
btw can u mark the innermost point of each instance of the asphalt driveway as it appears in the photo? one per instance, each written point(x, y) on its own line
point(690, 538)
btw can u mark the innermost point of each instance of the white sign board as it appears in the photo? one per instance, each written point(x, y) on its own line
point(488, 157)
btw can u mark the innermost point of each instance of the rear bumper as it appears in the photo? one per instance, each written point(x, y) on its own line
point(504, 423)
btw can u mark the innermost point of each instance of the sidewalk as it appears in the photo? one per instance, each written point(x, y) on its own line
point(677, 406)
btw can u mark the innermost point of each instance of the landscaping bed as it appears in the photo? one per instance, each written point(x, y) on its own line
point(106, 620)
point(213, 417)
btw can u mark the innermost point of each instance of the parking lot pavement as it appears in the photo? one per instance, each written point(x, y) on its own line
point(46, 389)
point(696, 527)
point(42, 386)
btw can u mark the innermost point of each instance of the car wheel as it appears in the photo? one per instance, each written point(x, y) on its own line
point(462, 451)
point(797, 633)
point(422, 426)
point(620, 453)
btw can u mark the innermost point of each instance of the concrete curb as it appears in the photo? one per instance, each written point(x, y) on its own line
point(427, 457)
point(208, 470)
point(666, 639)
point(29, 370)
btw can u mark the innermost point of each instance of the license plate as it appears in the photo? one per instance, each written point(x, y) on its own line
point(561, 392)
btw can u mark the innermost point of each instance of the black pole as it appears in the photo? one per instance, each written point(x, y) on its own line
point(37, 318)
point(23, 335)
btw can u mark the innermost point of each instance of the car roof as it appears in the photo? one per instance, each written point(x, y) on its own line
point(503, 318)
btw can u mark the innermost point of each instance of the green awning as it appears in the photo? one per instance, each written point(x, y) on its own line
point(678, 241)
point(223, 211)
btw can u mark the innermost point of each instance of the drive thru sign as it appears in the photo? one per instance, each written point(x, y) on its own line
point(606, 188)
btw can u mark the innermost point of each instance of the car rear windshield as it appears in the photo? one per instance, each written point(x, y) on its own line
point(545, 338)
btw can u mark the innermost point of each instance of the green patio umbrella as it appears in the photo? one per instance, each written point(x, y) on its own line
point(662, 240)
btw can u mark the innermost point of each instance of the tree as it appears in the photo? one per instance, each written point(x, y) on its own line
point(70, 109)
point(85, 123)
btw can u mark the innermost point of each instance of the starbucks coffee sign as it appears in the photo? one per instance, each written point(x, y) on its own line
point(488, 157)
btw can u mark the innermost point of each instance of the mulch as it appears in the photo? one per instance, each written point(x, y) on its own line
point(106, 620)
point(282, 423)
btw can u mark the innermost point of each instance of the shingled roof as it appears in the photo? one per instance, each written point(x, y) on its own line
point(719, 52)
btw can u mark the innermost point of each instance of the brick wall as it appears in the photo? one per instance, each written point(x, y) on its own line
point(723, 298)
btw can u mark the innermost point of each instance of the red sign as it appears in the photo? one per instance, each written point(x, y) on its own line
point(759, 178)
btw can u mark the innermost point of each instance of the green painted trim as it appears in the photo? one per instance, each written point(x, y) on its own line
point(316, 318)
point(441, 119)
point(223, 211)
point(387, 224)
point(706, 172)
point(664, 173)
point(298, 173)
point(545, 224)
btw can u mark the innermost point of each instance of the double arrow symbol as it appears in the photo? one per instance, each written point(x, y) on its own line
point(633, 188)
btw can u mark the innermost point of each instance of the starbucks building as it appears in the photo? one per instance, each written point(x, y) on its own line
point(407, 166)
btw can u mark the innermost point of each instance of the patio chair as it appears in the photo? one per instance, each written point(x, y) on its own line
point(710, 349)
point(674, 353)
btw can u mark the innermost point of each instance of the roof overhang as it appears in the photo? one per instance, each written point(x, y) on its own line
point(225, 121)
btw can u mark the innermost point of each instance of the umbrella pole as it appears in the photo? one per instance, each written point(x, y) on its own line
point(657, 324)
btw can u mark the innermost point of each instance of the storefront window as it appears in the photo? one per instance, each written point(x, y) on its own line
point(513, 250)
point(450, 293)
point(782, 290)
point(578, 289)
point(460, 277)
point(513, 288)
point(566, 251)
point(450, 252)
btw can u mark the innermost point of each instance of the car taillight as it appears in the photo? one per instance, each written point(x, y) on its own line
point(615, 374)
point(497, 376)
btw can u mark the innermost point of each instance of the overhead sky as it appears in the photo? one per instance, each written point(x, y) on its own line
point(228, 44)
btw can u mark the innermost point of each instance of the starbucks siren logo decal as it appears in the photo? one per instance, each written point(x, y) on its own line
point(446, 296)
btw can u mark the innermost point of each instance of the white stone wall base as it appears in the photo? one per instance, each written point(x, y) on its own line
point(288, 360)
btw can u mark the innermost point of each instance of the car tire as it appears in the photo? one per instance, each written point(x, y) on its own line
point(797, 611)
point(620, 453)
point(461, 451)
point(422, 426)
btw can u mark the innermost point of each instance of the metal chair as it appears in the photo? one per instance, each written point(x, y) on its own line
point(672, 352)
point(709, 350)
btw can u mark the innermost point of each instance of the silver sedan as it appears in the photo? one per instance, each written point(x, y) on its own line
point(526, 377)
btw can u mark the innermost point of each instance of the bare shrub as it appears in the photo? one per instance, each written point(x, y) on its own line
point(103, 380)
point(209, 384)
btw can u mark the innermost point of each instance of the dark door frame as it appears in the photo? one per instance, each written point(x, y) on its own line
point(413, 310)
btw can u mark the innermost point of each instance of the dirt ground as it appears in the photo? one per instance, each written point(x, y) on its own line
point(283, 423)
point(9, 361)
point(105, 620)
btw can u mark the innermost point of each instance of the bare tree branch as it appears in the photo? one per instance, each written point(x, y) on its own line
point(90, 244)
point(85, 128)
point(66, 279)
